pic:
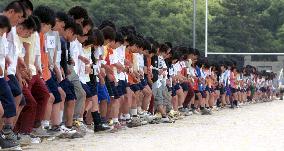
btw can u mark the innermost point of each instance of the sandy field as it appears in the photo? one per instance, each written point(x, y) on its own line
point(257, 127)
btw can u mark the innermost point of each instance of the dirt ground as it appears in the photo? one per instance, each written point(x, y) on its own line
point(256, 127)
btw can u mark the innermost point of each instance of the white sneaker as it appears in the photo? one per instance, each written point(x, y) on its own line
point(65, 130)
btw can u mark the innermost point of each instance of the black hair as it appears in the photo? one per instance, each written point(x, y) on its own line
point(90, 40)
point(99, 37)
point(29, 23)
point(37, 22)
point(131, 39)
point(190, 51)
point(109, 33)
point(163, 48)
point(70, 24)
point(119, 37)
point(147, 45)
point(28, 4)
point(17, 6)
point(79, 30)
point(196, 52)
point(124, 31)
point(106, 23)
point(5, 23)
point(62, 16)
point(169, 44)
point(45, 14)
point(78, 12)
point(87, 22)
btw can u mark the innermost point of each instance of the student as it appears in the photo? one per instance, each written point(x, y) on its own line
point(79, 14)
point(6, 94)
point(159, 67)
point(47, 18)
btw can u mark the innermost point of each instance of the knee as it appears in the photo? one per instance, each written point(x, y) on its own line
point(51, 98)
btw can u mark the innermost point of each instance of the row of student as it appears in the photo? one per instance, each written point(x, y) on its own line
point(58, 71)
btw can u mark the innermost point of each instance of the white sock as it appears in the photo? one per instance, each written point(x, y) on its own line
point(126, 116)
point(133, 112)
point(60, 116)
point(80, 119)
point(115, 120)
point(45, 123)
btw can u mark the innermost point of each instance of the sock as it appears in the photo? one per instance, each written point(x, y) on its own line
point(115, 120)
point(133, 112)
point(192, 106)
point(60, 116)
point(232, 103)
point(45, 123)
point(236, 103)
point(126, 116)
point(80, 119)
point(96, 118)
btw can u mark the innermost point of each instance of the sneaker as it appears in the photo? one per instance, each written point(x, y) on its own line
point(101, 127)
point(7, 144)
point(64, 129)
point(9, 134)
point(167, 120)
point(40, 132)
point(116, 127)
point(194, 111)
point(26, 140)
point(134, 122)
point(205, 112)
point(80, 127)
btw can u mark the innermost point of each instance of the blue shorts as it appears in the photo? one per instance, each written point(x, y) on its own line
point(228, 91)
point(14, 85)
point(144, 82)
point(93, 87)
point(112, 89)
point(7, 99)
point(88, 91)
point(140, 85)
point(121, 88)
point(184, 86)
point(102, 93)
point(53, 88)
point(68, 88)
point(134, 87)
point(174, 89)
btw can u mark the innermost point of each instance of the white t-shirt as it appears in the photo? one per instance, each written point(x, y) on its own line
point(75, 48)
point(15, 50)
point(3, 53)
point(120, 56)
point(82, 72)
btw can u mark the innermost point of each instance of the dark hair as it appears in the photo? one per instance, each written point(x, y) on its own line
point(119, 37)
point(62, 16)
point(196, 52)
point(45, 14)
point(28, 4)
point(78, 12)
point(79, 30)
point(90, 40)
point(70, 24)
point(131, 39)
point(37, 22)
point(99, 37)
point(163, 48)
point(16, 6)
point(87, 22)
point(169, 44)
point(5, 23)
point(109, 33)
point(106, 23)
point(29, 23)
point(147, 45)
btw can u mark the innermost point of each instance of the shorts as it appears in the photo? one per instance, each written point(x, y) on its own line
point(87, 89)
point(233, 90)
point(53, 88)
point(93, 87)
point(112, 89)
point(68, 88)
point(140, 85)
point(14, 85)
point(102, 93)
point(144, 82)
point(184, 86)
point(175, 88)
point(203, 94)
point(134, 87)
point(159, 98)
point(121, 88)
point(7, 99)
point(263, 89)
point(228, 91)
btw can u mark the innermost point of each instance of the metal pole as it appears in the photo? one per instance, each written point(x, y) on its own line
point(194, 21)
point(206, 28)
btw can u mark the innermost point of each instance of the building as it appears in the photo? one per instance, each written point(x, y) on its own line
point(274, 64)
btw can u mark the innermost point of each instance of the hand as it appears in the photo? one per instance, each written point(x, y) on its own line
point(1, 72)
